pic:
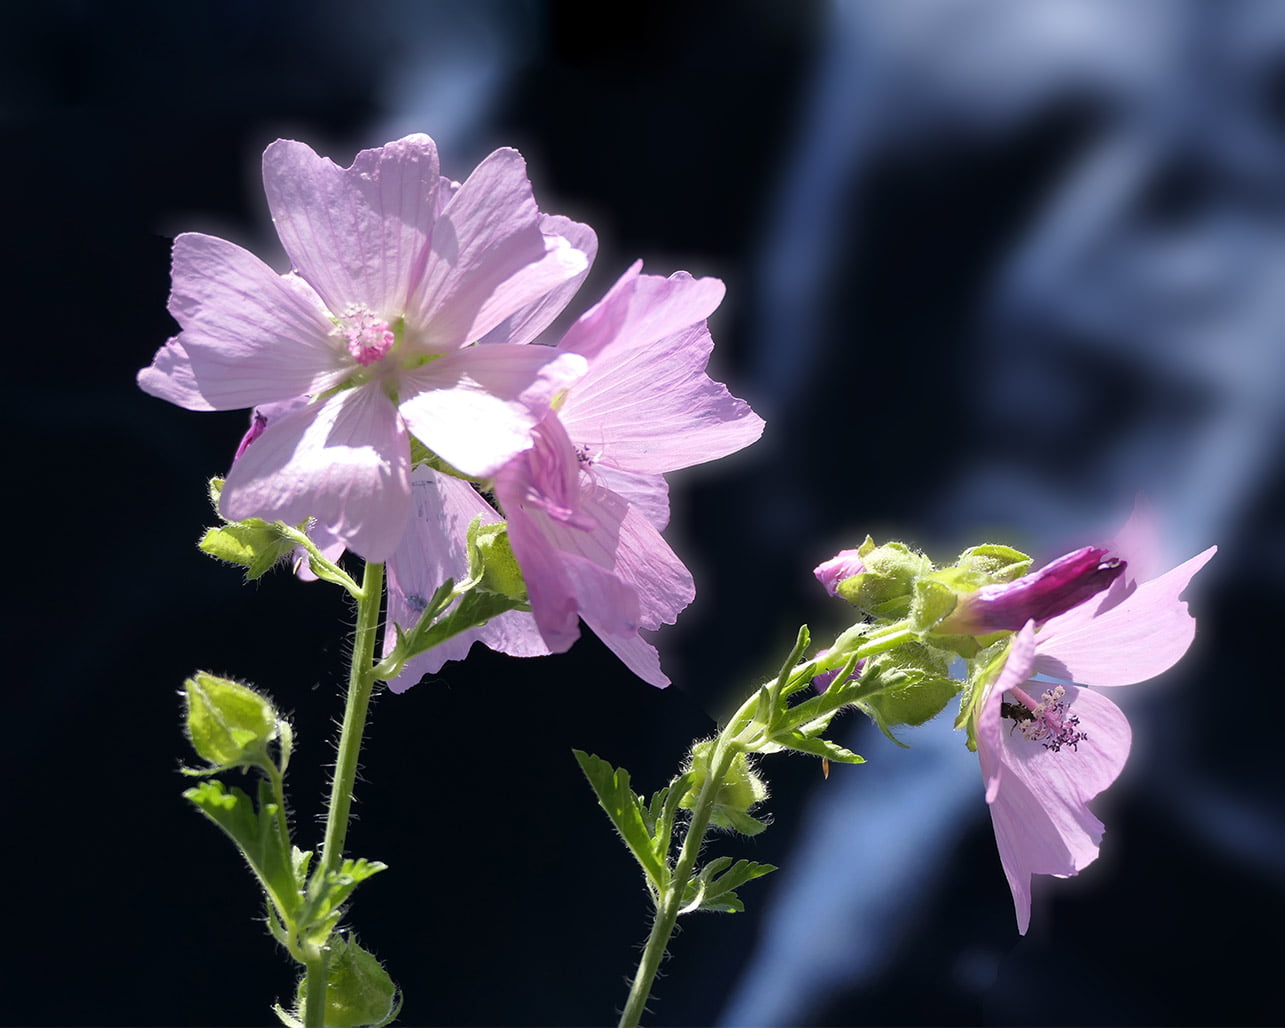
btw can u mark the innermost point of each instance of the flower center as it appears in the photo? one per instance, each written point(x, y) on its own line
point(368, 337)
point(1048, 722)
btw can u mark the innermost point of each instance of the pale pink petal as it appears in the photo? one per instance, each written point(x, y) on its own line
point(1138, 543)
point(648, 494)
point(549, 586)
point(433, 549)
point(489, 257)
point(647, 404)
point(251, 336)
point(344, 461)
point(170, 377)
point(1038, 796)
point(525, 325)
point(641, 309)
point(359, 235)
point(1136, 639)
point(645, 563)
point(476, 408)
point(634, 651)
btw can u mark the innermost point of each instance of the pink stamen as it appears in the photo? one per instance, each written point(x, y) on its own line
point(369, 337)
point(1048, 722)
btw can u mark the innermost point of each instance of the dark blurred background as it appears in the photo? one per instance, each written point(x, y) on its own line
point(993, 268)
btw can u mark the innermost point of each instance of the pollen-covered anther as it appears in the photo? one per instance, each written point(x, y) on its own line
point(1050, 724)
point(368, 336)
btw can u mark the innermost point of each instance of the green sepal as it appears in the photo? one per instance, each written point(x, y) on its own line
point(714, 888)
point(492, 563)
point(886, 587)
point(256, 834)
point(630, 816)
point(995, 561)
point(228, 724)
point(740, 789)
point(907, 686)
point(254, 544)
point(359, 992)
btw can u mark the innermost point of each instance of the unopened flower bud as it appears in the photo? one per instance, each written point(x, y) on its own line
point(229, 724)
point(1052, 590)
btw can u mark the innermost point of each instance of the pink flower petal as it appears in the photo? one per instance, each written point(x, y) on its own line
point(526, 324)
point(476, 408)
point(251, 336)
point(344, 461)
point(359, 235)
point(1136, 639)
point(648, 494)
point(635, 652)
point(843, 564)
point(489, 257)
point(432, 550)
point(1038, 796)
point(170, 377)
point(647, 403)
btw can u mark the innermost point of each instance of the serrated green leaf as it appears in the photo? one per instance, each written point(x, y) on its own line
point(819, 747)
point(625, 809)
point(716, 884)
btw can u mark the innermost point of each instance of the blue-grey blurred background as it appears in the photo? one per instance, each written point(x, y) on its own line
point(994, 267)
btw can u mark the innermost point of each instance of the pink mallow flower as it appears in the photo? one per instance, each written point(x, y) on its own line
point(395, 271)
point(1046, 749)
point(586, 505)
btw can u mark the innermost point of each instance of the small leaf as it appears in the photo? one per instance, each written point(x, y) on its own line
point(717, 882)
point(254, 544)
point(626, 811)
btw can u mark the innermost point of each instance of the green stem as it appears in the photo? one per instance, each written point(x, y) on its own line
point(361, 683)
point(671, 899)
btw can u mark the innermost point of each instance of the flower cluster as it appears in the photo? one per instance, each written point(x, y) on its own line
point(398, 378)
point(1036, 645)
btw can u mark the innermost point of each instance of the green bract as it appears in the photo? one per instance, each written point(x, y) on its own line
point(886, 587)
point(359, 992)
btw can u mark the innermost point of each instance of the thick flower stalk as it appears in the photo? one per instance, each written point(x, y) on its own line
point(396, 272)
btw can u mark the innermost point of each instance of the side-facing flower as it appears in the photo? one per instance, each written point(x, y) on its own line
point(1046, 749)
point(395, 272)
point(586, 505)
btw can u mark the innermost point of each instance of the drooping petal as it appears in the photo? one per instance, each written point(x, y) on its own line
point(489, 258)
point(433, 549)
point(634, 651)
point(251, 336)
point(1136, 639)
point(170, 377)
point(344, 461)
point(359, 235)
point(476, 408)
point(647, 403)
point(526, 324)
point(1038, 796)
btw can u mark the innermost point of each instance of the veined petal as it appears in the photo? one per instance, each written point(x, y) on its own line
point(634, 651)
point(344, 461)
point(489, 257)
point(641, 309)
point(549, 586)
point(1038, 796)
point(526, 324)
point(251, 336)
point(647, 402)
point(433, 549)
point(476, 408)
point(648, 494)
point(170, 377)
point(359, 235)
point(1136, 639)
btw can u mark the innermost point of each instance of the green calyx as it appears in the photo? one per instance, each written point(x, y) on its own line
point(493, 561)
point(738, 790)
point(229, 724)
point(886, 587)
point(359, 992)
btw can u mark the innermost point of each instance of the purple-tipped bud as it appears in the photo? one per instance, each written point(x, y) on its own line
point(843, 564)
point(1052, 590)
point(258, 422)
